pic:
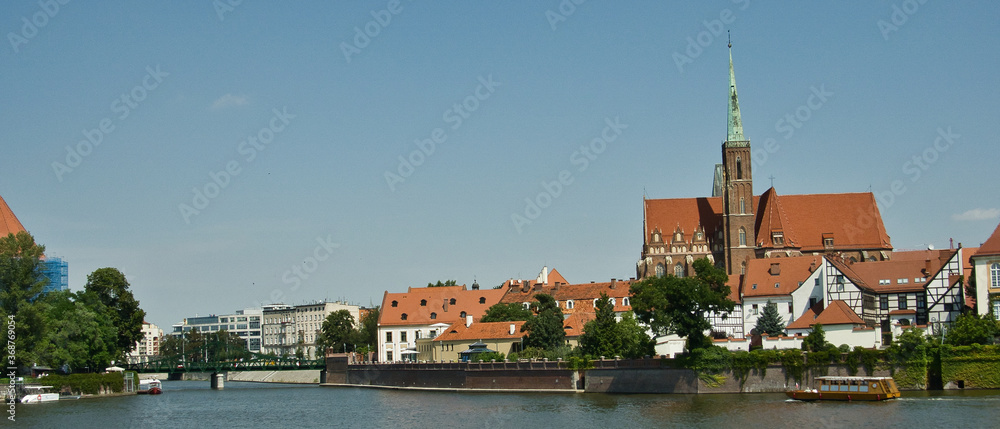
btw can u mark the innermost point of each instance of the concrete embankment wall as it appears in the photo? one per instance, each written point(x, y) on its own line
point(299, 376)
point(490, 376)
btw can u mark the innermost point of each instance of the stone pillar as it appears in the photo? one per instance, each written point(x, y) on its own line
point(218, 380)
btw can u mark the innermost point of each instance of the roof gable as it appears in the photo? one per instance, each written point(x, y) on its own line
point(907, 271)
point(8, 222)
point(771, 219)
point(837, 313)
point(992, 245)
point(852, 219)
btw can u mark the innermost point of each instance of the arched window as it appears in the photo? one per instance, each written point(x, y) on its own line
point(527, 305)
point(462, 315)
point(423, 302)
point(743, 267)
point(679, 270)
point(739, 168)
point(569, 304)
point(595, 302)
point(434, 315)
point(402, 316)
point(743, 208)
point(625, 302)
point(659, 270)
point(743, 236)
point(451, 301)
point(995, 275)
point(612, 302)
point(394, 303)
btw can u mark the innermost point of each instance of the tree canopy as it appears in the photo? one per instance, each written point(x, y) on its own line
point(606, 336)
point(111, 288)
point(544, 329)
point(680, 305)
point(770, 322)
point(440, 284)
point(506, 312)
point(338, 332)
point(971, 328)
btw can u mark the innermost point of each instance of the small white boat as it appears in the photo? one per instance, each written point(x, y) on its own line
point(150, 387)
point(36, 394)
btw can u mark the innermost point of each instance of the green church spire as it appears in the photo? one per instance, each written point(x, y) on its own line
point(735, 123)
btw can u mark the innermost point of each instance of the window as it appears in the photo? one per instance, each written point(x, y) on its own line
point(883, 302)
point(527, 306)
point(739, 168)
point(482, 300)
point(434, 316)
point(451, 301)
point(743, 267)
point(828, 242)
point(569, 304)
point(903, 281)
point(754, 309)
point(625, 302)
point(777, 285)
point(402, 337)
point(995, 275)
point(388, 337)
point(660, 271)
point(462, 315)
point(921, 302)
point(395, 304)
point(402, 316)
point(754, 286)
point(743, 236)
point(790, 310)
point(423, 302)
point(612, 302)
point(679, 270)
point(778, 238)
point(902, 302)
point(743, 208)
point(595, 302)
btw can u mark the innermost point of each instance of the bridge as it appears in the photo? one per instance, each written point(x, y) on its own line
point(192, 361)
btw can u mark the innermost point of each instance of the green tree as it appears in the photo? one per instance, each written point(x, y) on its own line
point(225, 346)
point(111, 288)
point(501, 312)
point(21, 282)
point(368, 331)
point(545, 328)
point(971, 328)
point(770, 322)
point(80, 333)
point(440, 284)
point(816, 340)
point(338, 332)
point(606, 336)
point(675, 305)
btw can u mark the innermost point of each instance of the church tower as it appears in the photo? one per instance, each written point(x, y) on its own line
point(738, 207)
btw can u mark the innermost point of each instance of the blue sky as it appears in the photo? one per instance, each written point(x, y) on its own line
point(180, 90)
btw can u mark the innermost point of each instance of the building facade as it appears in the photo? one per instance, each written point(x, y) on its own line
point(986, 266)
point(147, 348)
point(245, 323)
point(292, 330)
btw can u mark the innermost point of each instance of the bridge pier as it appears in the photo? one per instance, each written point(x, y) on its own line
point(218, 380)
point(175, 376)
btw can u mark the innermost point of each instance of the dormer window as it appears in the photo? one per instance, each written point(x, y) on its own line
point(828, 240)
point(423, 302)
point(451, 301)
point(778, 238)
point(482, 300)
point(395, 304)
point(402, 316)
point(434, 316)
point(462, 315)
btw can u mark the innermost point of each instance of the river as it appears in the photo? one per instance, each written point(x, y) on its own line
point(192, 404)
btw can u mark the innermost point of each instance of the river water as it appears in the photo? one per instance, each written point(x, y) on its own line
point(192, 404)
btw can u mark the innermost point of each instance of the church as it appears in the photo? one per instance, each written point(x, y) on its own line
point(735, 226)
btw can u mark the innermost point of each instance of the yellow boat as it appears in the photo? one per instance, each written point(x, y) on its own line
point(848, 389)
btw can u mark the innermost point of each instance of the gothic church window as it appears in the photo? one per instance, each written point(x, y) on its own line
point(659, 270)
point(743, 236)
point(739, 168)
point(679, 270)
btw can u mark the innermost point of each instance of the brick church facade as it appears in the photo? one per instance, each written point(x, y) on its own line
point(734, 226)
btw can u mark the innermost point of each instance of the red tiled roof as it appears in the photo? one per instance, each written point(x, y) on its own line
point(909, 265)
point(893, 312)
point(582, 294)
point(852, 219)
point(481, 331)
point(837, 313)
point(438, 301)
point(791, 272)
point(992, 245)
point(8, 222)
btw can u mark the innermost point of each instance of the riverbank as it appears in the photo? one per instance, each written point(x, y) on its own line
point(299, 376)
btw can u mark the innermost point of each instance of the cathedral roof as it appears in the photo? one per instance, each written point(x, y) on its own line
point(8, 222)
point(851, 219)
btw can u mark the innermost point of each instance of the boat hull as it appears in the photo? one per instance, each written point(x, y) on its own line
point(39, 397)
point(808, 395)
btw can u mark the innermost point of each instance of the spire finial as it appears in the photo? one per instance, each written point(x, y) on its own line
point(735, 123)
point(730, 39)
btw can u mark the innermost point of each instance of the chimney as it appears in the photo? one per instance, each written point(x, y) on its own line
point(775, 269)
point(512, 329)
point(538, 286)
point(555, 286)
point(614, 283)
point(468, 321)
point(543, 277)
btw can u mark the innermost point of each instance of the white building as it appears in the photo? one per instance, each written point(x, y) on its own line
point(149, 346)
point(986, 265)
point(245, 323)
point(288, 329)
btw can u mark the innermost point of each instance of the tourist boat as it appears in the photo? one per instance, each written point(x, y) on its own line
point(150, 387)
point(34, 394)
point(848, 389)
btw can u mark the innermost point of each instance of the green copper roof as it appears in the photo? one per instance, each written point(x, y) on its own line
point(735, 123)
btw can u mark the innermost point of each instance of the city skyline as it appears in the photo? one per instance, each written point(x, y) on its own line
point(227, 156)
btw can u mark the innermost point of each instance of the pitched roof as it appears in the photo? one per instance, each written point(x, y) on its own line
point(787, 273)
point(837, 313)
point(581, 294)
point(992, 245)
point(8, 222)
point(851, 219)
point(481, 331)
point(771, 218)
point(885, 276)
point(418, 304)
